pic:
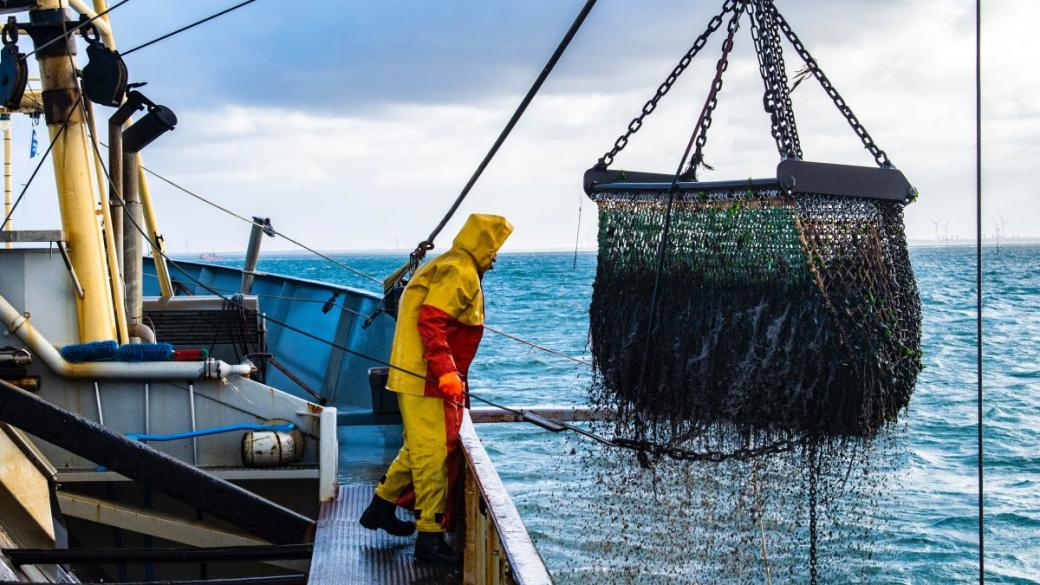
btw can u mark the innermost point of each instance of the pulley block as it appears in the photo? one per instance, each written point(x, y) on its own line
point(105, 76)
point(14, 73)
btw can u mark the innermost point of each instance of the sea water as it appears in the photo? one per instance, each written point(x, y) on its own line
point(930, 536)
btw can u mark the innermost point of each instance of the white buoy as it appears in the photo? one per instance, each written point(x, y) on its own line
point(269, 449)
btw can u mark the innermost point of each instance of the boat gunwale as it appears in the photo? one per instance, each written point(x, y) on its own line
point(527, 567)
point(260, 274)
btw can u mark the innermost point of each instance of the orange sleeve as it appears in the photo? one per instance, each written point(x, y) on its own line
point(433, 324)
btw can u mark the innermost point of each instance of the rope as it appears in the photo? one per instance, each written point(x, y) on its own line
point(340, 264)
point(716, 85)
point(234, 302)
point(360, 314)
point(184, 28)
point(36, 170)
point(65, 34)
point(577, 233)
point(251, 222)
point(539, 347)
point(978, 282)
point(427, 244)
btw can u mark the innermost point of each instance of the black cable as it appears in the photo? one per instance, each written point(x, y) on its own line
point(348, 267)
point(343, 348)
point(36, 170)
point(577, 233)
point(232, 301)
point(251, 222)
point(68, 32)
point(978, 281)
point(578, 21)
point(184, 28)
point(727, 46)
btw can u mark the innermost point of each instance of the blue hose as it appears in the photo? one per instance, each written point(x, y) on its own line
point(285, 428)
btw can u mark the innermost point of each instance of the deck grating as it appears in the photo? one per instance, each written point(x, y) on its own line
point(344, 552)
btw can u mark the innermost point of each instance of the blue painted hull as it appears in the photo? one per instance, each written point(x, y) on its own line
point(339, 376)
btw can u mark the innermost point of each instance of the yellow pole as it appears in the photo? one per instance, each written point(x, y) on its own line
point(68, 133)
point(5, 119)
point(155, 238)
point(116, 280)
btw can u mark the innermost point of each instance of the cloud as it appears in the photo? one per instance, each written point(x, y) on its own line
point(357, 129)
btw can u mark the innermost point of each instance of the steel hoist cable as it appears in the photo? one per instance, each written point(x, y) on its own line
point(698, 138)
point(341, 265)
point(187, 27)
point(978, 290)
point(79, 25)
point(356, 313)
point(428, 244)
point(250, 221)
point(36, 170)
point(616, 442)
point(232, 301)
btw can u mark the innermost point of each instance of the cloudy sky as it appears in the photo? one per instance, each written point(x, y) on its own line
point(354, 123)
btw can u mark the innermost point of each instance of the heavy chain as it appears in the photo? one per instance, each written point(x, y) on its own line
point(777, 98)
point(781, 82)
point(704, 123)
point(879, 155)
point(607, 159)
point(681, 454)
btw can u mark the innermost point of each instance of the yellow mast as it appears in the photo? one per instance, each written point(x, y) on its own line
point(116, 280)
point(63, 111)
point(5, 120)
point(155, 239)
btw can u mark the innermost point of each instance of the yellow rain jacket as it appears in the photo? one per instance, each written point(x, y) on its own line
point(439, 326)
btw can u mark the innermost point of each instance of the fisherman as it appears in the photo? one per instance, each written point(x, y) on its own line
point(439, 326)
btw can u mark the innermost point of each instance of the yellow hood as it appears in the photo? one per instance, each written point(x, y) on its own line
point(482, 236)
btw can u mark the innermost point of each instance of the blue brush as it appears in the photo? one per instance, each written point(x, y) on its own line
point(95, 351)
point(144, 352)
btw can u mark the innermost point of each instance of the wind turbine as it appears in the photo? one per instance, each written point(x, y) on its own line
point(936, 223)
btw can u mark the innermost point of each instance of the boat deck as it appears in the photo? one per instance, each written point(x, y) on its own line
point(344, 552)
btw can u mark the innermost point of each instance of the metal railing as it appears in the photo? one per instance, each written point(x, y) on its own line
point(498, 551)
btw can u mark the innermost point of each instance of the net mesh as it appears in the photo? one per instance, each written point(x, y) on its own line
point(779, 318)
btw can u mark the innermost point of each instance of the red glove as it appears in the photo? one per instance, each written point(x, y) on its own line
point(451, 386)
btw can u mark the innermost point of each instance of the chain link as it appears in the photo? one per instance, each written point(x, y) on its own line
point(608, 158)
point(766, 25)
point(785, 93)
point(680, 454)
point(879, 155)
point(777, 98)
point(713, 95)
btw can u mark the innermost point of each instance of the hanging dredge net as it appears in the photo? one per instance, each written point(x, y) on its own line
point(754, 314)
point(754, 340)
point(789, 314)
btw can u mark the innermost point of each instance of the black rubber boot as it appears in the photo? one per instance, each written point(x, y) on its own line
point(431, 548)
point(382, 514)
